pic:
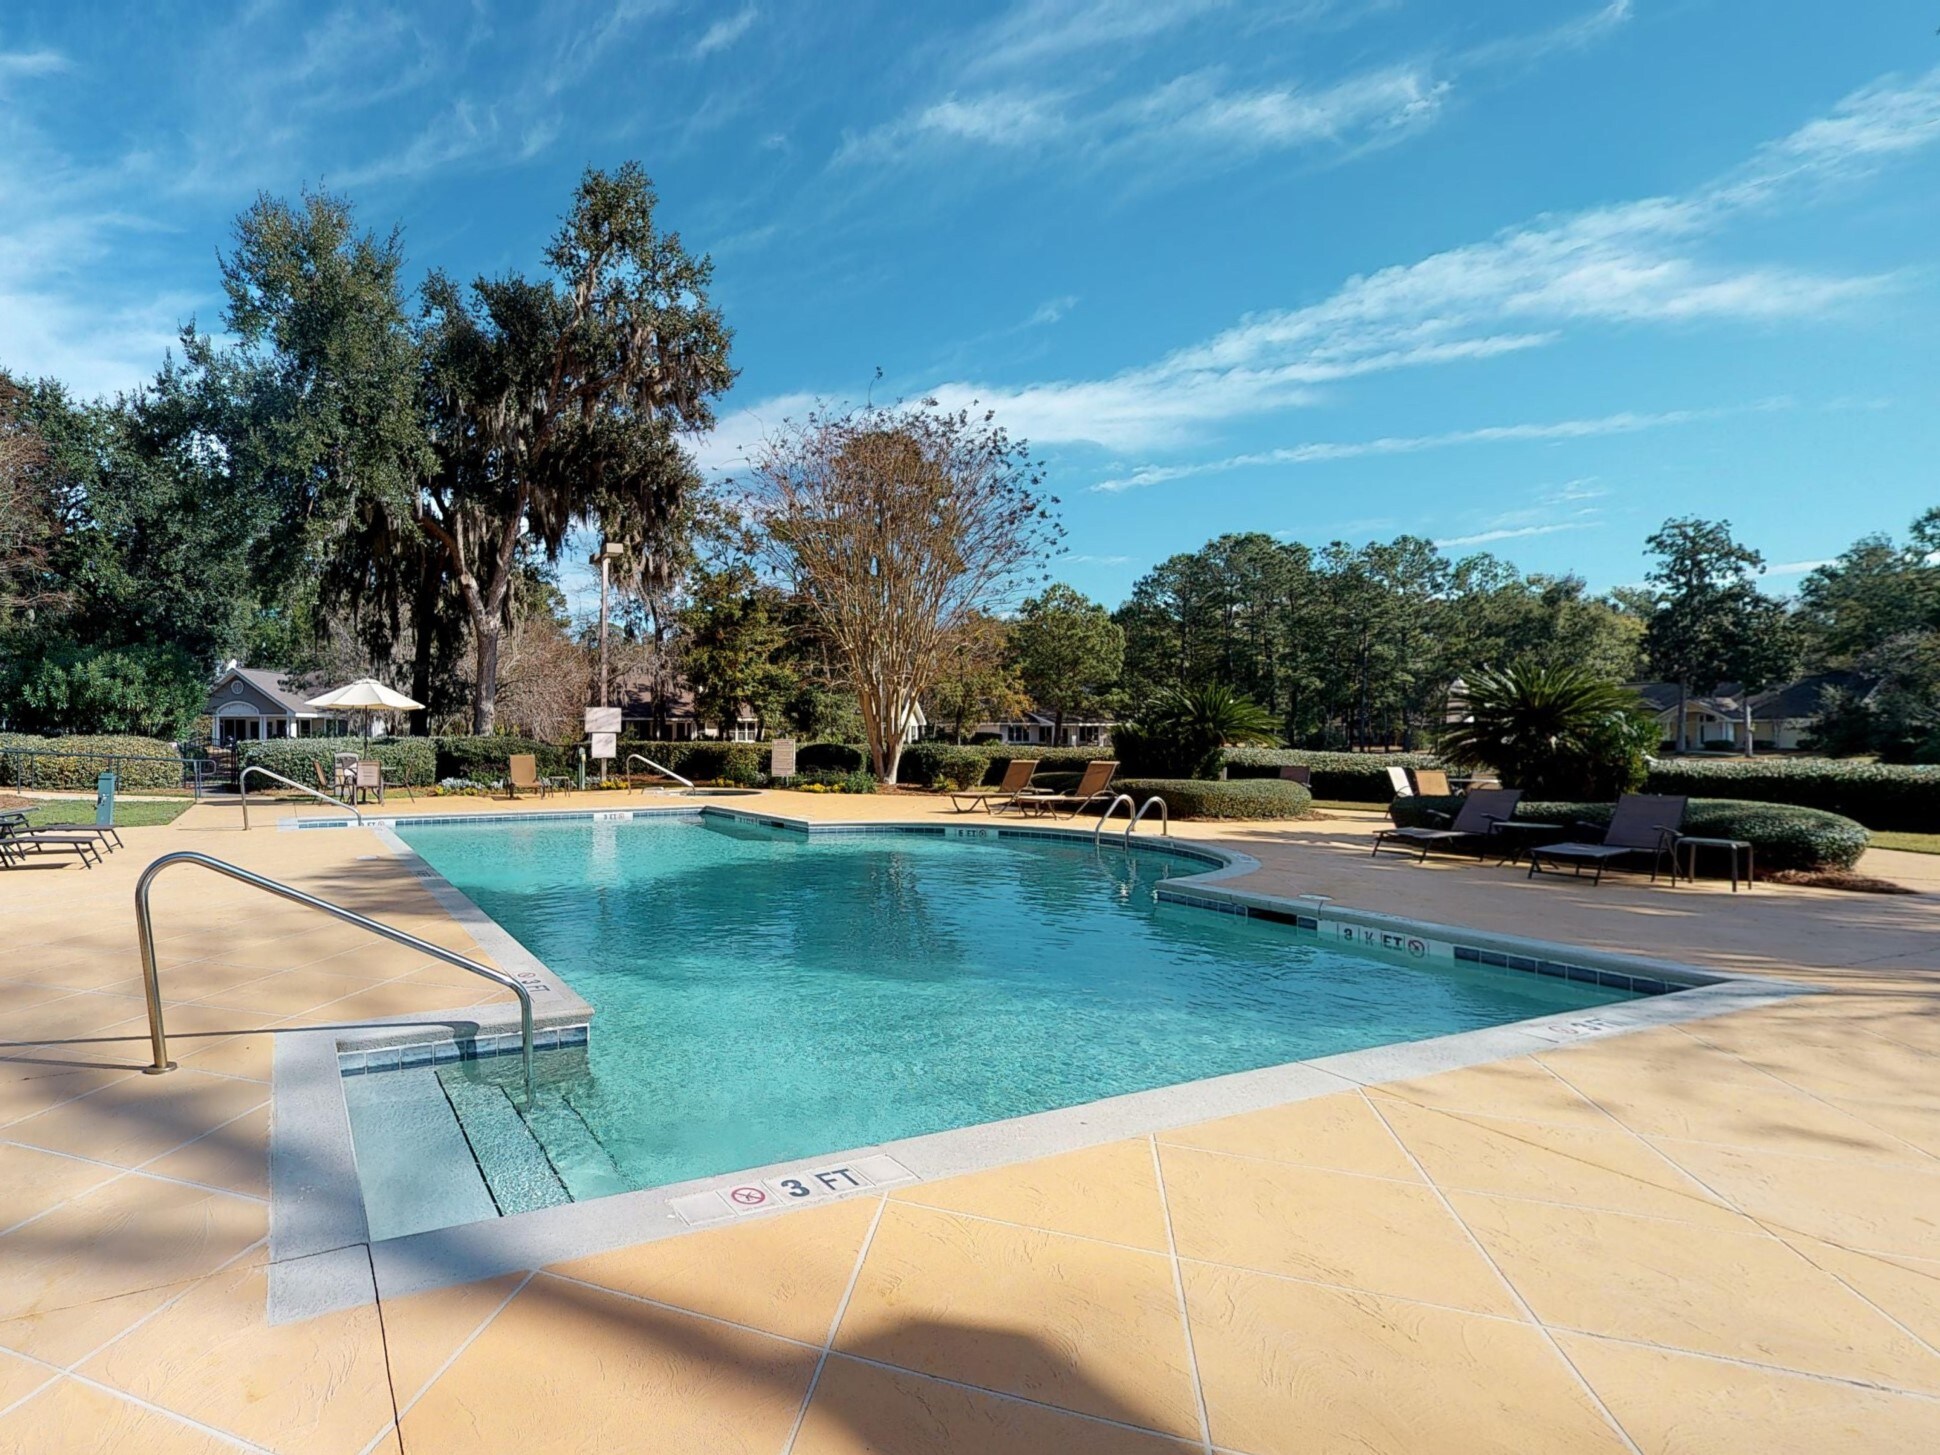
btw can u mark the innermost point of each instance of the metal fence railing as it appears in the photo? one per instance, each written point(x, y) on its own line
point(20, 768)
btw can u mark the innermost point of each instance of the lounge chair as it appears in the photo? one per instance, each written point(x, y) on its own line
point(1644, 823)
point(522, 771)
point(18, 845)
point(106, 835)
point(1432, 783)
point(1398, 777)
point(1481, 811)
point(1093, 786)
point(367, 779)
point(1017, 780)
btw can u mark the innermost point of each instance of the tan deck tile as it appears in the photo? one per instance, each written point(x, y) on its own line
point(1589, 1166)
point(860, 1409)
point(132, 1233)
point(82, 1013)
point(20, 1378)
point(141, 1117)
point(71, 1418)
point(789, 1270)
point(314, 1387)
point(1877, 1205)
point(16, 998)
point(235, 1157)
point(1109, 1192)
point(1704, 1095)
point(566, 1368)
point(32, 1181)
point(1908, 1289)
point(1072, 1323)
point(63, 1335)
point(1330, 1227)
point(403, 998)
point(1290, 1368)
point(1680, 1404)
point(1684, 1286)
point(1522, 1088)
point(423, 1330)
point(1339, 1132)
point(1916, 1125)
point(288, 993)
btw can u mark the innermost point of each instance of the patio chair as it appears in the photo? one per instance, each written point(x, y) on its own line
point(522, 771)
point(1643, 823)
point(1432, 783)
point(1092, 787)
point(1481, 811)
point(106, 835)
point(1398, 778)
point(367, 779)
point(18, 845)
point(1016, 781)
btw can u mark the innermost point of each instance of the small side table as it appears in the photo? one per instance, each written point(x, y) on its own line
point(1688, 846)
point(1521, 834)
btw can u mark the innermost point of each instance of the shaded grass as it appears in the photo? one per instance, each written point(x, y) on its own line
point(127, 814)
point(1911, 843)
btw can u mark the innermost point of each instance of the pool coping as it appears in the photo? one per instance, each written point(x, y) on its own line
point(317, 1216)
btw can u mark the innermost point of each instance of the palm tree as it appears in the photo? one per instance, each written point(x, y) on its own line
point(1552, 731)
point(1187, 730)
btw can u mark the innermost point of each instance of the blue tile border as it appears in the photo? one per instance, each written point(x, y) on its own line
point(462, 1048)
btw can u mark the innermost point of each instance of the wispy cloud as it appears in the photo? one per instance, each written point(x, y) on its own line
point(1049, 30)
point(1796, 568)
point(31, 63)
point(1318, 451)
point(1575, 34)
point(1089, 560)
point(1517, 533)
point(724, 32)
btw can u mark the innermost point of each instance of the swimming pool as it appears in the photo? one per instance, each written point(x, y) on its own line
point(762, 995)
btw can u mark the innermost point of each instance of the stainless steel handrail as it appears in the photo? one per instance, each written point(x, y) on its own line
point(1110, 809)
point(662, 768)
point(145, 933)
point(1165, 819)
point(243, 781)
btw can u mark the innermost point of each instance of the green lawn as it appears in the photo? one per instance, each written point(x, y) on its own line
point(127, 814)
point(1912, 843)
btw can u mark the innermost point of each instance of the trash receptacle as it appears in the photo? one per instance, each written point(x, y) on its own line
point(104, 801)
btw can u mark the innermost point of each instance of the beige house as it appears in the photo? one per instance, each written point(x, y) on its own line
point(1780, 718)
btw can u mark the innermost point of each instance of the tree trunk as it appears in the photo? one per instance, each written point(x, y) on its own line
point(485, 641)
point(1683, 717)
point(1057, 726)
point(423, 611)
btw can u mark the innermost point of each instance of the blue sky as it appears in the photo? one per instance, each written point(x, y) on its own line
point(1522, 277)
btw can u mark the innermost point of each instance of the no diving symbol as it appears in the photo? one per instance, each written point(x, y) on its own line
point(747, 1196)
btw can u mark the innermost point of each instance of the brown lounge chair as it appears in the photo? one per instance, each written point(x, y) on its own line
point(1481, 811)
point(522, 771)
point(1017, 780)
point(105, 835)
point(16, 845)
point(1094, 785)
point(1644, 823)
point(1432, 783)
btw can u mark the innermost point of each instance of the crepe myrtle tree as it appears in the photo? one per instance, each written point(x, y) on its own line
point(558, 401)
point(897, 525)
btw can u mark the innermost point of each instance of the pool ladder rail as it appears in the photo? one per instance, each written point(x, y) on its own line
point(318, 793)
point(1137, 812)
point(661, 768)
point(145, 934)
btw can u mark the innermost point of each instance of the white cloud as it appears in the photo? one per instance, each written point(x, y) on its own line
point(1570, 35)
point(1517, 533)
point(1075, 560)
point(1796, 568)
point(1048, 30)
point(724, 32)
point(31, 63)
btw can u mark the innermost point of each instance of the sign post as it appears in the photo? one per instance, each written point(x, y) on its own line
point(603, 729)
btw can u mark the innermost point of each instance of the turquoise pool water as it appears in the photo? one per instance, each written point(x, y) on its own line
point(763, 996)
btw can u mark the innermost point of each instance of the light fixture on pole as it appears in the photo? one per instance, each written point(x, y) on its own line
point(608, 553)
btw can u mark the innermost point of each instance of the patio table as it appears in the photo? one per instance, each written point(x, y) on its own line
point(1520, 835)
point(1689, 844)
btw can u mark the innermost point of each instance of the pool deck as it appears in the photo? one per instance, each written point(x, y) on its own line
point(1722, 1236)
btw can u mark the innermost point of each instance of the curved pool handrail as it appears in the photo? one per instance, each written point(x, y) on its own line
point(1165, 819)
point(243, 781)
point(145, 935)
point(661, 768)
point(1131, 807)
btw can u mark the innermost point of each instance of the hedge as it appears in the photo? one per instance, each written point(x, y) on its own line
point(412, 759)
point(1878, 795)
point(1782, 836)
point(1343, 777)
point(80, 772)
point(1211, 798)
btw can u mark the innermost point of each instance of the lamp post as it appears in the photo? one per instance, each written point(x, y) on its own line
point(608, 553)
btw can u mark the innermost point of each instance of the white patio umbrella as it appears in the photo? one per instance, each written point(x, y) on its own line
point(368, 694)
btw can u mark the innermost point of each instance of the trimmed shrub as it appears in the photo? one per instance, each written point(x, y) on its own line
point(414, 760)
point(1250, 798)
point(743, 764)
point(1342, 777)
point(46, 770)
point(823, 780)
point(1782, 836)
point(830, 758)
point(486, 759)
point(1878, 795)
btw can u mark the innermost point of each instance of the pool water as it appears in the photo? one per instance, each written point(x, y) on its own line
point(763, 996)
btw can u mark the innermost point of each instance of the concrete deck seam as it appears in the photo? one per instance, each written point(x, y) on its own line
point(1179, 1292)
point(835, 1324)
point(1898, 1391)
point(440, 1372)
point(1513, 1292)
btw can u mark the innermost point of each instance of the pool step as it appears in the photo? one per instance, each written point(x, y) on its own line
point(516, 1168)
point(576, 1156)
